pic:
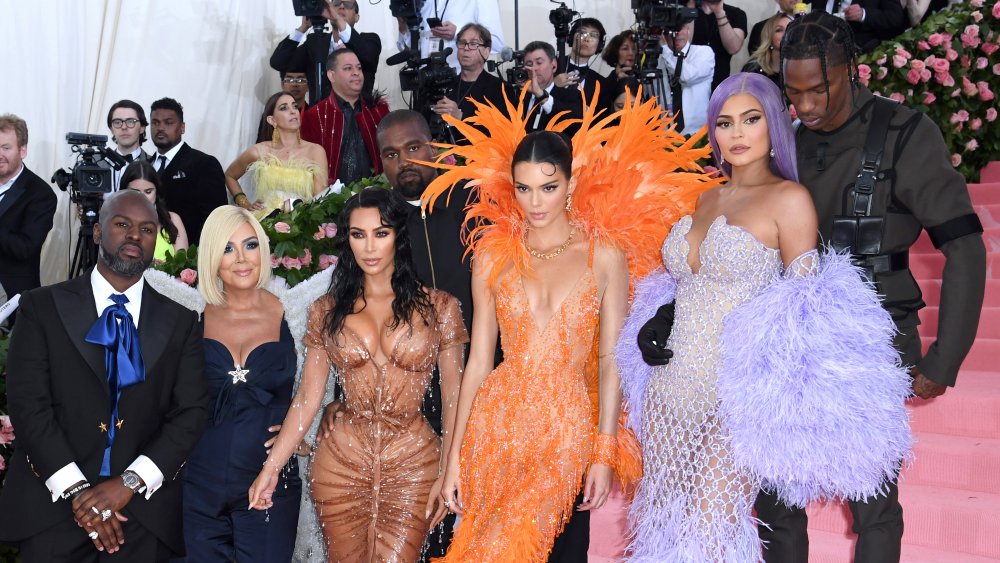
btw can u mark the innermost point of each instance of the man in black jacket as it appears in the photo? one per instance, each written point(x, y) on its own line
point(872, 21)
point(343, 15)
point(106, 408)
point(193, 182)
point(27, 205)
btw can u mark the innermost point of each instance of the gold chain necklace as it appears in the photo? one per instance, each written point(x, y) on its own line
point(552, 254)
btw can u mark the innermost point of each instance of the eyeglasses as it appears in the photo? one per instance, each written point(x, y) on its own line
point(124, 123)
point(348, 5)
point(589, 35)
point(288, 80)
point(469, 45)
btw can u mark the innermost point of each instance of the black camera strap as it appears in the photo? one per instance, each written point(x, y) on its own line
point(878, 129)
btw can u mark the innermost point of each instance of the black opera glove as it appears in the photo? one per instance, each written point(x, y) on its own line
point(653, 336)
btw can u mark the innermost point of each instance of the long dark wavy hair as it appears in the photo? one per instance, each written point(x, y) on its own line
point(348, 283)
point(142, 170)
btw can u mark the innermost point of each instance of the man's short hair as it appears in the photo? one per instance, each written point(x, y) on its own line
point(550, 51)
point(168, 103)
point(331, 61)
point(400, 117)
point(128, 104)
point(484, 34)
point(10, 121)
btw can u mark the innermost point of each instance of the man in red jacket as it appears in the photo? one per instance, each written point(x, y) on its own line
point(344, 122)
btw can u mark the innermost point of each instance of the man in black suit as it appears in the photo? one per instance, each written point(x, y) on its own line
point(343, 15)
point(193, 182)
point(27, 205)
point(544, 97)
point(127, 122)
point(106, 408)
point(587, 38)
point(473, 83)
point(872, 21)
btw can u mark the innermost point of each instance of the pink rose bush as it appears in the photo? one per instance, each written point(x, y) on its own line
point(189, 276)
point(6, 431)
point(947, 68)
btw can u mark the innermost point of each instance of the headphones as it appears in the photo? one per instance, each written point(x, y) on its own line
point(589, 22)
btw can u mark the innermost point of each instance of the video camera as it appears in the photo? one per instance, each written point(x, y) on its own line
point(92, 172)
point(561, 18)
point(662, 16)
point(309, 8)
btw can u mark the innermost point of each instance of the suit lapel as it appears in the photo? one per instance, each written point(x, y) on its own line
point(175, 163)
point(18, 190)
point(75, 304)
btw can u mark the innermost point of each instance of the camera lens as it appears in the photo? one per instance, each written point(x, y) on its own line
point(93, 180)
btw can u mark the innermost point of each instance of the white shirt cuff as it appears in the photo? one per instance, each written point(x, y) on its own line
point(547, 104)
point(345, 35)
point(296, 35)
point(62, 480)
point(149, 472)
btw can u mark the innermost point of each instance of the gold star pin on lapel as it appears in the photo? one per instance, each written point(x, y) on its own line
point(118, 424)
point(103, 427)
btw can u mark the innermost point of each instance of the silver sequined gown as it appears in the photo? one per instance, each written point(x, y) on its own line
point(692, 504)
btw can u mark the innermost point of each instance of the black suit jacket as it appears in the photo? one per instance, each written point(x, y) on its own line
point(289, 56)
point(26, 212)
point(565, 101)
point(58, 396)
point(193, 186)
point(486, 88)
point(884, 19)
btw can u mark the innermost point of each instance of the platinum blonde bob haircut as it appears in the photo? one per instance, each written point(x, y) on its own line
point(220, 225)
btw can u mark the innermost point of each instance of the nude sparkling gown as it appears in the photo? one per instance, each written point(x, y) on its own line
point(693, 504)
point(372, 477)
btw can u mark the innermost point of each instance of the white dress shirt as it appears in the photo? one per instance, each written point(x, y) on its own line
point(117, 179)
point(170, 154)
point(459, 12)
point(696, 82)
point(4, 187)
point(546, 106)
point(62, 480)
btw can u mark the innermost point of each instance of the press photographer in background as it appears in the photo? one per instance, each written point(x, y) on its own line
point(440, 22)
point(723, 28)
point(473, 82)
point(292, 54)
point(587, 38)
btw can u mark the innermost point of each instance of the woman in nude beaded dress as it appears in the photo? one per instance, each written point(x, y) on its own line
point(376, 477)
point(551, 277)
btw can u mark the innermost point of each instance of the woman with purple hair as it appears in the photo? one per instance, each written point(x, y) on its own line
point(756, 353)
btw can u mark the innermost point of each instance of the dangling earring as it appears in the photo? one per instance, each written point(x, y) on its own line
point(722, 159)
point(569, 201)
point(275, 137)
point(772, 152)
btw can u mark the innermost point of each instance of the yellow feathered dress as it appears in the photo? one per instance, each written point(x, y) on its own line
point(276, 181)
point(532, 428)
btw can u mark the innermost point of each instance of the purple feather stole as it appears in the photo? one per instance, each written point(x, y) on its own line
point(812, 390)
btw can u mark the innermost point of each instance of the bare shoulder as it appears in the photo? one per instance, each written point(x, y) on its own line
point(609, 260)
point(792, 197)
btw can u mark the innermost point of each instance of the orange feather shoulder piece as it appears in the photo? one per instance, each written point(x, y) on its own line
point(635, 177)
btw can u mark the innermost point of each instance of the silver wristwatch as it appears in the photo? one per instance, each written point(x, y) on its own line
point(131, 480)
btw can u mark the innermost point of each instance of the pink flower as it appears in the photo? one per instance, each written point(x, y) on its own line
point(991, 114)
point(935, 39)
point(960, 116)
point(880, 60)
point(950, 54)
point(996, 10)
point(976, 3)
point(897, 96)
point(970, 40)
point(917, 64)
point(972, 30)
point(275, 261)
point(982, 63)
point(913, 76)
point(291, 263)
point(985, 94)
point(977, 16)
point(971, 145)
point(956, 159)
point(975, 124)
point(320, 234)
point(189, 276)
point(450, 160)
point(969, 87)
point(929, 98)
point(989, 48)
point(965, 61)
point(306, 258)
point(882, 71)
point(898, 61)
point(864, 74)
point(6, 431)
point(331, 229)
point(282, 227)
point(3, 464)
point(938, 64)
point(327, 260)
point(925, 75)
point(956, 92)
point(996, 69)
point(944, 79)
point(923, 45)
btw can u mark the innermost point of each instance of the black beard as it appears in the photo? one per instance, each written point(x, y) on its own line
point(411, 189)
point(125, 267)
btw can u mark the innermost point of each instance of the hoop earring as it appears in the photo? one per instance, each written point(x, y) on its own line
point(569, 201)
point(772, 152)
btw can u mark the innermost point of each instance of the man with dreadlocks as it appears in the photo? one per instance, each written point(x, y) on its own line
point(878, 172)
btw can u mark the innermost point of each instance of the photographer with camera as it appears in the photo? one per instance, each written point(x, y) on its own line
point(344, 122)
point(587, 38)
point(441, 21)
point(292, 54)
point(27, 206)
point(690, 69)
point(473, 83)
point(545, 98)
point(723, 28)
point(127, 122)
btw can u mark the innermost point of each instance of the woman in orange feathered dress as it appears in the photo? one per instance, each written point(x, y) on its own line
point(559, 232)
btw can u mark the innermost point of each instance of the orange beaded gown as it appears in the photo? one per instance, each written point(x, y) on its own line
point(372, 476)
point(531, 429)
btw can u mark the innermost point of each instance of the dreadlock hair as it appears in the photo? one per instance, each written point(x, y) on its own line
point(823, 36)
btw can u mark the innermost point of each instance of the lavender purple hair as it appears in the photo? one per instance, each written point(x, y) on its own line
point(779, 122)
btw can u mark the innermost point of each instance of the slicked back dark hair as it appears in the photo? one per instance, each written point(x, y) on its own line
point(823, 36)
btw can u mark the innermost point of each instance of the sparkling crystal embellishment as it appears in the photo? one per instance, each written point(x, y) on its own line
point(239, 374)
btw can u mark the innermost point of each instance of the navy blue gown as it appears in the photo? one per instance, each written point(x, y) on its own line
point(220, 470)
